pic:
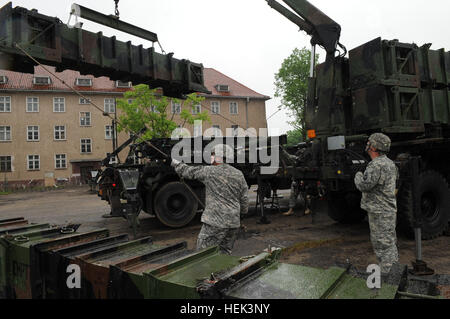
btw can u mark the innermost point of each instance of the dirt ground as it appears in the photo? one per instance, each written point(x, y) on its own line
point(314, 241)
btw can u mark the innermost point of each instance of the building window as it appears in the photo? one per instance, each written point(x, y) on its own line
point(5, 164)
point(83, 82)
point(215, 107)
point(176, 108)
point(216, 131)
point(121, 84)
point(60, 161)
point(5, 104)
point(33, 162)
point(60, 133)
point(198, 131)
point(59, 104)
point(32, 104)
point(33, 133)
point(222, 88)
point(85, 118)
point(86, 146)
point(133, 159)
point(108, 132)
point(113, 159)
point(3, 79)
point(42, 80)
point(154, 109)
point(5, 133)
point(84, 101)
point(233, 108)
point(110, 105)
point(197, 109)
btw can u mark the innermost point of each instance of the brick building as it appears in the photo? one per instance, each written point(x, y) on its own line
point(49, 134)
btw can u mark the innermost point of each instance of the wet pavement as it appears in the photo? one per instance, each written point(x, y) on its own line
point(315, 241)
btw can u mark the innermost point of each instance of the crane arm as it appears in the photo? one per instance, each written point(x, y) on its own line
point(323, 30)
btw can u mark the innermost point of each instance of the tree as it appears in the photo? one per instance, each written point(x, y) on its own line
point(291, 84)
point(294, 137)
point(144, 107)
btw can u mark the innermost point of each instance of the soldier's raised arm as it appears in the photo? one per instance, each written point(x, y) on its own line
point(189, 172)
point(365, 182)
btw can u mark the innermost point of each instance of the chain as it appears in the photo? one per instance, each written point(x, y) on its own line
point(117, 8)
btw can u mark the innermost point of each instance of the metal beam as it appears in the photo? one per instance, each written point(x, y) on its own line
point(112, 22)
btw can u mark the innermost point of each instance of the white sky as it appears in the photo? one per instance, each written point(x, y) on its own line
point(247, 40)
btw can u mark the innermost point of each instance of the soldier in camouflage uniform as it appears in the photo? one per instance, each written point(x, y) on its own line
point(378, 187)
point(226, 198)
point(296, 186)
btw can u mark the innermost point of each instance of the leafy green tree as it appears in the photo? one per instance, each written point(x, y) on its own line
point(144, 107)
point(294, 137)
point(291, 85)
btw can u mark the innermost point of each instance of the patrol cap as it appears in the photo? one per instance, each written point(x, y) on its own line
point(380, 142)
point(225, 152)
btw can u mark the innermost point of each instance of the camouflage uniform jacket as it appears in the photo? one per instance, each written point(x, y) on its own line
point(377, 185)
point(226, 193)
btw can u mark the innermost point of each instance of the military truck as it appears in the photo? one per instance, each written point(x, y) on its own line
point(400, 89)
point(157, 190)
point(386, 86)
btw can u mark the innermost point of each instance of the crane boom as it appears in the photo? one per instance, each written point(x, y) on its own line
point(323, 30)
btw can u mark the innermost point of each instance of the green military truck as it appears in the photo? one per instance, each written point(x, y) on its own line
point(400, 89)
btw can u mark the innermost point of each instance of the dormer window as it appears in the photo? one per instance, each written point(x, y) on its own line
point(121, 84)
point(41, 80)
point(222, 88)
point(3, 79)
point(83, 82)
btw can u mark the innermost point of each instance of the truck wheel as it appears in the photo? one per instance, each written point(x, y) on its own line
point(345, 208)
point(175, 206)
point(434, 197)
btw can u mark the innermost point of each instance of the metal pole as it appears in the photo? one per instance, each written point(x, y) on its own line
point(420, 267)
point(313, 61)
point(418, 236)
point(416, 208)
point(115, 135)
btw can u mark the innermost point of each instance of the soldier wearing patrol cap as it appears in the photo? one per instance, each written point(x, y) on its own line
point(226, 198)
point(378, 187)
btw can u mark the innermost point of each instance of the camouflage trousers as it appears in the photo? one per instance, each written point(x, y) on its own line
point(295, 191)
point(384, 238)
point(215, 236)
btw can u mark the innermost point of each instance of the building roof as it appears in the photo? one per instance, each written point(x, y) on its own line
point(24, 82)
point(213, 78)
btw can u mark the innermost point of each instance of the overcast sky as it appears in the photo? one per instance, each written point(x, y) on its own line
point(247, 40)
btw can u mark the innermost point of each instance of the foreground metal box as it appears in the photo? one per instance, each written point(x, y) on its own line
point(33, 264)
point(21, 261)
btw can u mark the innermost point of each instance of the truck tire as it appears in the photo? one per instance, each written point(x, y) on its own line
point(345, 207)
point(434, 197)
point(175, 206)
